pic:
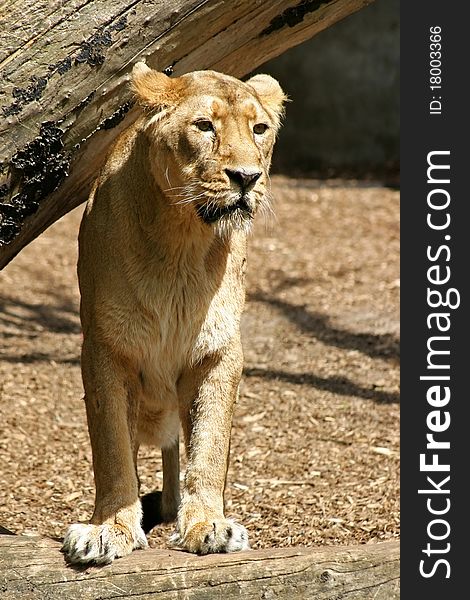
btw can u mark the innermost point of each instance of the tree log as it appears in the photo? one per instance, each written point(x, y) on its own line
point(34, 568)
point(65, 65)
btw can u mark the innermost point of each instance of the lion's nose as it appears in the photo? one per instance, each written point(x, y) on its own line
point(245, 178)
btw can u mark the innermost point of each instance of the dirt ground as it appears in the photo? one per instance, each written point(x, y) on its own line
point(315, 442)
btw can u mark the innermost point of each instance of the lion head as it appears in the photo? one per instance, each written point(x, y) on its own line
point(211, 138)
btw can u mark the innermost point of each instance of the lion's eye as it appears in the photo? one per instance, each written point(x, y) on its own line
point(204, 125)
point(260, 128)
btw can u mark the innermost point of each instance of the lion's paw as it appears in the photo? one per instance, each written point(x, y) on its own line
point(100, 544)
point(222, 535)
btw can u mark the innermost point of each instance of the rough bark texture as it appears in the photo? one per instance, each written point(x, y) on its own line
point(34, 568)
point(65, 64)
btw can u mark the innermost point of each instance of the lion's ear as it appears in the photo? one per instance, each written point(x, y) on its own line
point(154, 89)
point(270, 94)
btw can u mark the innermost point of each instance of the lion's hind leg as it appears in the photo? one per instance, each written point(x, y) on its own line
point(162, 507)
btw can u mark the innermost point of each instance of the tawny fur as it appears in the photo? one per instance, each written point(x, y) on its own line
point(162, 291)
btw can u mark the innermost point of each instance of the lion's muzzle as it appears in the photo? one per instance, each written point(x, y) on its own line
point(237, 211)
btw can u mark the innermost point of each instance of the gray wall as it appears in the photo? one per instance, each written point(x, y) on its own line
point(344, 87)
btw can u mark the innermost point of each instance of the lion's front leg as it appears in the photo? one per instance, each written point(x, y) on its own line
point(111, 393)
point(207, 394)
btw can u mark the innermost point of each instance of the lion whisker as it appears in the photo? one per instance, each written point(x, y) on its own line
point(188, 200)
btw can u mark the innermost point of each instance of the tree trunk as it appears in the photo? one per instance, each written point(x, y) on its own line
point(34, 568)
point(65, 66)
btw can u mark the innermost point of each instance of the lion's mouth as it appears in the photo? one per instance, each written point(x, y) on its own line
point(211, 214)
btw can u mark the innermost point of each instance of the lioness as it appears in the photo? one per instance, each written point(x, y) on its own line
point(161, 270)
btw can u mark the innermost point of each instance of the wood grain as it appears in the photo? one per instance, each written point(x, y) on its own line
point(34, 568)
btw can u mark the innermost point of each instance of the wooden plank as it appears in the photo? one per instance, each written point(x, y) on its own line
point(34, 568)
point(67, 64)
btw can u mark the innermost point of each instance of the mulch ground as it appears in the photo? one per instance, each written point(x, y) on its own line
point(315, 441)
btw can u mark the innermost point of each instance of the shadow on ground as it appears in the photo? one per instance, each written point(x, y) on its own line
point(384, 346)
